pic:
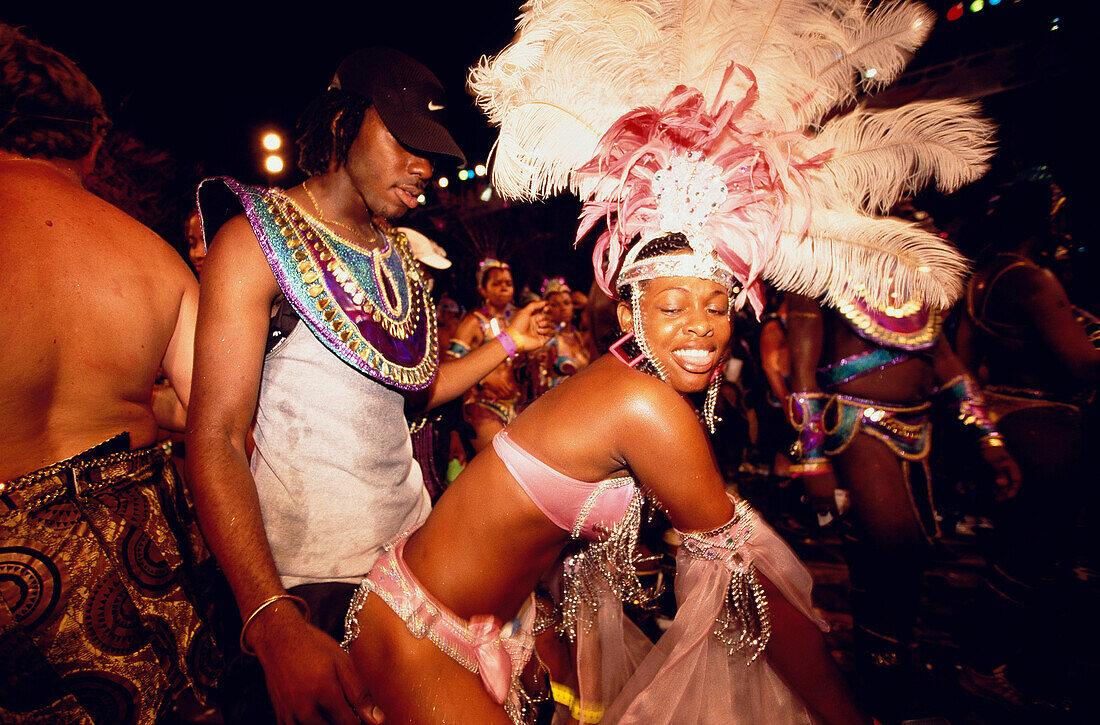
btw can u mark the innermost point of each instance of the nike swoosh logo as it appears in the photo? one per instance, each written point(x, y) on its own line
point(433, 106)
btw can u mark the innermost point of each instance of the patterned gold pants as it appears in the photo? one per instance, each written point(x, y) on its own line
point(99, 615)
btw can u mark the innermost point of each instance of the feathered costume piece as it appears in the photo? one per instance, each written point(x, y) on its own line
point(736, 123)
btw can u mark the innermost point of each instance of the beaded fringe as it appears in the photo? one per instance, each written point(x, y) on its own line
point(609, 564)
point(743, 624)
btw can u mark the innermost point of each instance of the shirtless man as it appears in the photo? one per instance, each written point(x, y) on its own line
point(96, 606)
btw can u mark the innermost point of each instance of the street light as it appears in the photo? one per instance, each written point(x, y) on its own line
point(272, 141)
point(274, 164)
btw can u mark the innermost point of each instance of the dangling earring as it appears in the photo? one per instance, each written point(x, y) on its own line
point(711, 401)
point(616, 350)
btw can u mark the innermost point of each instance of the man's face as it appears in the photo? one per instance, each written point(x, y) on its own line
point(388, 176)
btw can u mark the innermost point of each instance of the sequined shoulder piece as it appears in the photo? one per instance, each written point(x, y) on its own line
point(906, 327)
point(369, 307)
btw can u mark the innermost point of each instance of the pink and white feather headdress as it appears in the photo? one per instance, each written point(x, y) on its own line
point(736, 123)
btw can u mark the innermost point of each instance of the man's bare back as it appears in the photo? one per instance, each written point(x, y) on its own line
point(94, 303)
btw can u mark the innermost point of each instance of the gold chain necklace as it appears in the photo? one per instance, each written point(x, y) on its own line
point(329, 222)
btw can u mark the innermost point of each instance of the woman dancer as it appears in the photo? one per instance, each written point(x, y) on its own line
point(494, 402)
point(568, 350)
point(688, 160)
point(444, 636)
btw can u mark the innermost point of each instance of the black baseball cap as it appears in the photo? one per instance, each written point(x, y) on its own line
point(408, 97)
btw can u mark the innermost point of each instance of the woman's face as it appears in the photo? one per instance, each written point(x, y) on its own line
point(196, 250)
point(497, 289)
point(559, 306)
point(687, 327)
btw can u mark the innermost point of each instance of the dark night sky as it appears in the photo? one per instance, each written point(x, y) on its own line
point(201, 79)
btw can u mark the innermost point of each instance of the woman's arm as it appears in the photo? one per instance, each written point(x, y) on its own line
point(664, 444)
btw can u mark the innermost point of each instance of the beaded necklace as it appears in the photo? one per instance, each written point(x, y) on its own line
point(325, 221)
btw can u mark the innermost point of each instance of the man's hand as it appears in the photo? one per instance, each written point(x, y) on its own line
point(531, 328)
point(310, 679)
point(496, 388)
point(1006, 474)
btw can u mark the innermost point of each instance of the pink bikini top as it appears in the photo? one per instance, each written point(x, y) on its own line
point(583, 509)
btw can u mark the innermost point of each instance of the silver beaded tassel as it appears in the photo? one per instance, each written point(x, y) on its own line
point(639, 334)
point(743, 624)
point(608, 564)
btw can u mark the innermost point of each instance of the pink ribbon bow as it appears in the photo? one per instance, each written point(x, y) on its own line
point(493, 663)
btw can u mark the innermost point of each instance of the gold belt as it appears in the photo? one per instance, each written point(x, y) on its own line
point(83, 477)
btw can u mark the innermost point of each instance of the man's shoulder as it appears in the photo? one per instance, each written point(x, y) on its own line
point(78, 219)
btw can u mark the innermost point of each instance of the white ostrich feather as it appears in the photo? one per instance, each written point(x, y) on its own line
point(887, 40)
point(772, 38)
point(882, 156)
point(576, 66)
point(878, 258)
point(875, 48)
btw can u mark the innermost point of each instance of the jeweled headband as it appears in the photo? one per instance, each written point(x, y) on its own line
point(553, 285)
point(484, 267)
point(699, 264)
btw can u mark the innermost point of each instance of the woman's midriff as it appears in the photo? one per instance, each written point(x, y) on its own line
point(494, 572)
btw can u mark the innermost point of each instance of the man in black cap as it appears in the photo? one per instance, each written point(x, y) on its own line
point(316, 324)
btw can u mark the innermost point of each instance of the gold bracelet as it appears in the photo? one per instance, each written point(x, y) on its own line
point(302, 605)
point(992, 440)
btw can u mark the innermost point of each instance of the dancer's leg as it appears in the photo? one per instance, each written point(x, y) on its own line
point(798, 653)
point(885, 549)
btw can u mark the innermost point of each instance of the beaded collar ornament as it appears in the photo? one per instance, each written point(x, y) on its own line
point(370, 307)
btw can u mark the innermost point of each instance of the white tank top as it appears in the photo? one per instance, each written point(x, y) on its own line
point(333, 464)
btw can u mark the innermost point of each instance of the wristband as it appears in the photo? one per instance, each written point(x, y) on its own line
point(567, 696)
point(967, 398)
point(298, 602)
point(508, 344)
